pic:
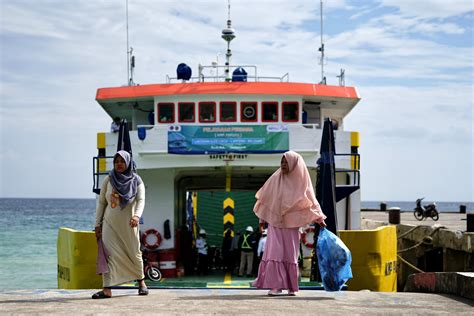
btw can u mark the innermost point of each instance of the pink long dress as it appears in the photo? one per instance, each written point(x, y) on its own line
point(286, 202)
point(279, 266)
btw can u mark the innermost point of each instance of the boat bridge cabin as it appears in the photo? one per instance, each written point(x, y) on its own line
point(229, 103)
point(223, 136)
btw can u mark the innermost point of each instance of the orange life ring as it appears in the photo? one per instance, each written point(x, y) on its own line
point(309, 244)
point(157, 242)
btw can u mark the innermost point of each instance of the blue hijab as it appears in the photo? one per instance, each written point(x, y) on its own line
point(125, 183)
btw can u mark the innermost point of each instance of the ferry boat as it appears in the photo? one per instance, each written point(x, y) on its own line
point(205, 139)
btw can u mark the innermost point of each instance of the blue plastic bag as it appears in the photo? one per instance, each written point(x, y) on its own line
point(334, 260)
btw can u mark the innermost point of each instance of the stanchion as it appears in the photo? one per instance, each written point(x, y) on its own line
point(470, 222)
point(394, 215)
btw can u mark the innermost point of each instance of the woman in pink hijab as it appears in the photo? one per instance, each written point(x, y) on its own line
point(286, 202)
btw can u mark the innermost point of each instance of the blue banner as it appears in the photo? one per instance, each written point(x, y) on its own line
point(191, 139)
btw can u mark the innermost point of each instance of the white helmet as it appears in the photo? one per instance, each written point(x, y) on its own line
point(249, 229)
point(202, 232)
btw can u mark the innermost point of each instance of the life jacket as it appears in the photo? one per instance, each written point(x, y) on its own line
point(245, 243)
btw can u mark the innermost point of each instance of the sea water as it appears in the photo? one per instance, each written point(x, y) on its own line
point(28, 237)
point(29, 232)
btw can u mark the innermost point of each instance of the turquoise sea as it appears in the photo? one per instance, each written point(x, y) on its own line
point(28, 235)
point(29, 229)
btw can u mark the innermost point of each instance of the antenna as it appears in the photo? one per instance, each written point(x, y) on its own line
point(132, 67)
point(228, 35)
point(130, 58)
point(342, 78)
point(128, 52)
point(321, 48)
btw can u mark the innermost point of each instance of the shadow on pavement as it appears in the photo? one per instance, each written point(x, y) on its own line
point(253, 297)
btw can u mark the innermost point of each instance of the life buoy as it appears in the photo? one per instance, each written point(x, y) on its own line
point(155, 242)
point(249, 112)
point(304, 237)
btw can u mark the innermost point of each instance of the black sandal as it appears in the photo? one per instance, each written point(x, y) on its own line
point(142, 290)
point(100, 295)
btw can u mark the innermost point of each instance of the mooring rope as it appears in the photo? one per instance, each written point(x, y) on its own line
point(407, 232)
point(428, 240)
point(410, 265)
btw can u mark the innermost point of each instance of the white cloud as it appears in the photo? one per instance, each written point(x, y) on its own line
point(415, 141)
point(404, 24)
point(400, 112)
point(17, 21)
point(382, 51)
point(431, 8)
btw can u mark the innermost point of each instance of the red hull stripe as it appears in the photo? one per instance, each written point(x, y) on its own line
point(275, 88)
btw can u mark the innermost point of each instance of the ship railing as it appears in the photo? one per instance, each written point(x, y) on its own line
point(96, 166)
point(202, 68)
point(284, 78)
point(145, 126)
point(216, 77)
point(148, 126)
point(312, 126)
point(355, 163)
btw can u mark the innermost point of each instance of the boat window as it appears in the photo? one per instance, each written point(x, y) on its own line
point(248, 111)
point(290, 111)
point(186, 112)
point(228, 111)
point(166, 112)
point(270, 111)
point(207, 112)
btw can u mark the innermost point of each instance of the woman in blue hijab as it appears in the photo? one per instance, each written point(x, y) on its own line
point(120, 206)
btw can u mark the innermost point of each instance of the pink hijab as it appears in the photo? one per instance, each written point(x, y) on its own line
point(287, 200)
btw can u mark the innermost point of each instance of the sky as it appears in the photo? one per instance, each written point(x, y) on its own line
point(411, 61)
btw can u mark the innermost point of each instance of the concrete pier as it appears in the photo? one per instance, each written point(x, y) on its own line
point(231, 302)
point(453, 221)
point(429, 246)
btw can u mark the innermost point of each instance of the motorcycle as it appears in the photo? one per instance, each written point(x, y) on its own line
point(151, 268)
point(422, 212)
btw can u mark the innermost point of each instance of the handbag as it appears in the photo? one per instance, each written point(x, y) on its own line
point(102, 255)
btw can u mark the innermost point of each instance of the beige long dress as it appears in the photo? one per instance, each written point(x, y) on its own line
point(121, 241)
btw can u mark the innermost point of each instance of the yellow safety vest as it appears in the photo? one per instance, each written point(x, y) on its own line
point(245, 243)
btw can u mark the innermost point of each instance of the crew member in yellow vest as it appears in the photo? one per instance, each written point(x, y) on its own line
point(247, 246)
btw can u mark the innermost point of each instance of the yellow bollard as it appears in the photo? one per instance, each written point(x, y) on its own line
point(374, 258)
point(77, 254)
